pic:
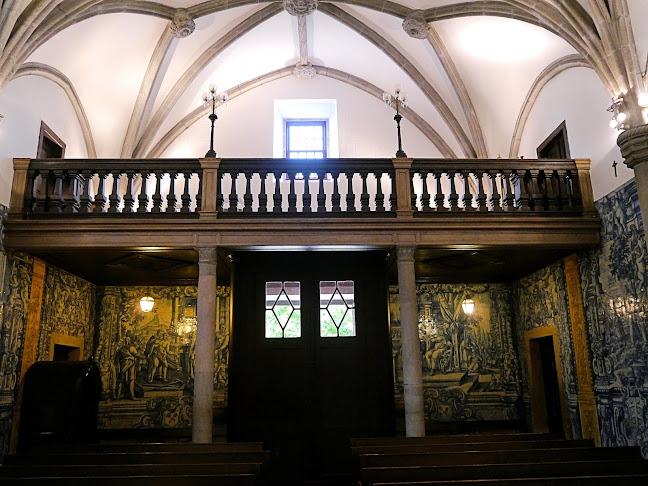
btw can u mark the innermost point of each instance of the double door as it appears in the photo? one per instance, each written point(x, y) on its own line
point(311, 358)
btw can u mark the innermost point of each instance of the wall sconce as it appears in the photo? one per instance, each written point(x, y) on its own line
point(468, 306)
point(619, 116)
point(146, 303)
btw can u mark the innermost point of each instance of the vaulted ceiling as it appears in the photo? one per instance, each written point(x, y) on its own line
point(135, 70)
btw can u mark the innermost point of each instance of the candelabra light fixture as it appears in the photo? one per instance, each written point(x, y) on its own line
point(397, 100)
point(619, 115)
point(211, 99)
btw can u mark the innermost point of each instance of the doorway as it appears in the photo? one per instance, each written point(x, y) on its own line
point(311, 359)
point(546, 386)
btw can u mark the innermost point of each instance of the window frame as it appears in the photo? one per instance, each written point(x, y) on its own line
point(306, 122)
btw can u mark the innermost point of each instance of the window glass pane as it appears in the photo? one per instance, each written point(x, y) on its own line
point(283, 310)
point(337, 309)
point(306, 140)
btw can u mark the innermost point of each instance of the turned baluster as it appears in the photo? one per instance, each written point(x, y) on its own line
point(576, 197)
point(157, 194)
point(413, 194)
point(199, 193)
point(336, 206)
point(482, 197)
point(509, 180)
point(453, 200)
point(172, 200)
point(142, 197)
point(277, 197)
point(425, 195)
point(494, 200)
point(263, 194)
point(522, 182)
point(380, 196)
point(364, 191)
point(439, 197)
point(185, 197)
point(292, 192)
point(232, 197)
point(129, 200)
point(220, 196)
point(536, 198)
point(350, 195)
point(321, 195)
point(113, 196)
point(551, 190)
point(306, 196)
point(85, 200)
point(247, 188)
point(57, 199)
point(564, 190)
point(465, 199)
point(100, 199)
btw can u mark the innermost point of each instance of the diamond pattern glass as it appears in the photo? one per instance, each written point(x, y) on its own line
point(337, 309)
point(282, 310)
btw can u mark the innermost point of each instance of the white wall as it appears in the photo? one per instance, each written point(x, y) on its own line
point(24, 103)
point(245, 125)
point(578, 97)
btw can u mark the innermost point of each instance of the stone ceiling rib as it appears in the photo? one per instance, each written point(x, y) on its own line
point(48, 72)
point(9, 14)
point(462, 92)
point(409, 68)
point(146, 91)
point(199, 112)
point(198, 65)
point(550, 72)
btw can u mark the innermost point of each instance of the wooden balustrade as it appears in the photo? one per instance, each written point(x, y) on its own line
point(496, 186)
point(104, 187)
point(254, 188)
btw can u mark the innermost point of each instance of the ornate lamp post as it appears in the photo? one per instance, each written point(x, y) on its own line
point(400, 100)
point(211, 98)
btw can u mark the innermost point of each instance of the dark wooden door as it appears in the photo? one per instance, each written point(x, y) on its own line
point(551, 386)
point(305, 396)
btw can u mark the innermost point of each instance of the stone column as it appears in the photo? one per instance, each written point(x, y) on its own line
point(411, 351)
point(634, 148)
point(205, 337)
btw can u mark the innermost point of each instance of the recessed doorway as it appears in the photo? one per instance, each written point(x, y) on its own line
point(311, 357)
point(548, 408)
point(65, 348)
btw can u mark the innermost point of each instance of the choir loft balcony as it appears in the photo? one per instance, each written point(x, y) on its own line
point(459, 210)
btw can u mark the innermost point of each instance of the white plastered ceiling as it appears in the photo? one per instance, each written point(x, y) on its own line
point(475, 88)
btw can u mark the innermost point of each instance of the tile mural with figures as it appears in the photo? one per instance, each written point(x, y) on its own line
point(540, 300)
point(615, 298)
point(468, 360)
point(147, 358)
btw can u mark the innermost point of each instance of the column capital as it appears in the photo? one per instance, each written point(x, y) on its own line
point(634, 145)
point(207, 255)
point(405, 253)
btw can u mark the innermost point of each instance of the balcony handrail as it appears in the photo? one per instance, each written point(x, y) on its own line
point(256, 187)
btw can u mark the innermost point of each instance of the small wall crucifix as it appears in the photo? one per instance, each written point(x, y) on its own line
point(614, 166)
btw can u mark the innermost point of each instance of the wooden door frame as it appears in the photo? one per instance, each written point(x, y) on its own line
point(536, 381)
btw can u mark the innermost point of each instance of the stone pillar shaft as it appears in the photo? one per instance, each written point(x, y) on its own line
point(411, 351)
point(205, 337)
